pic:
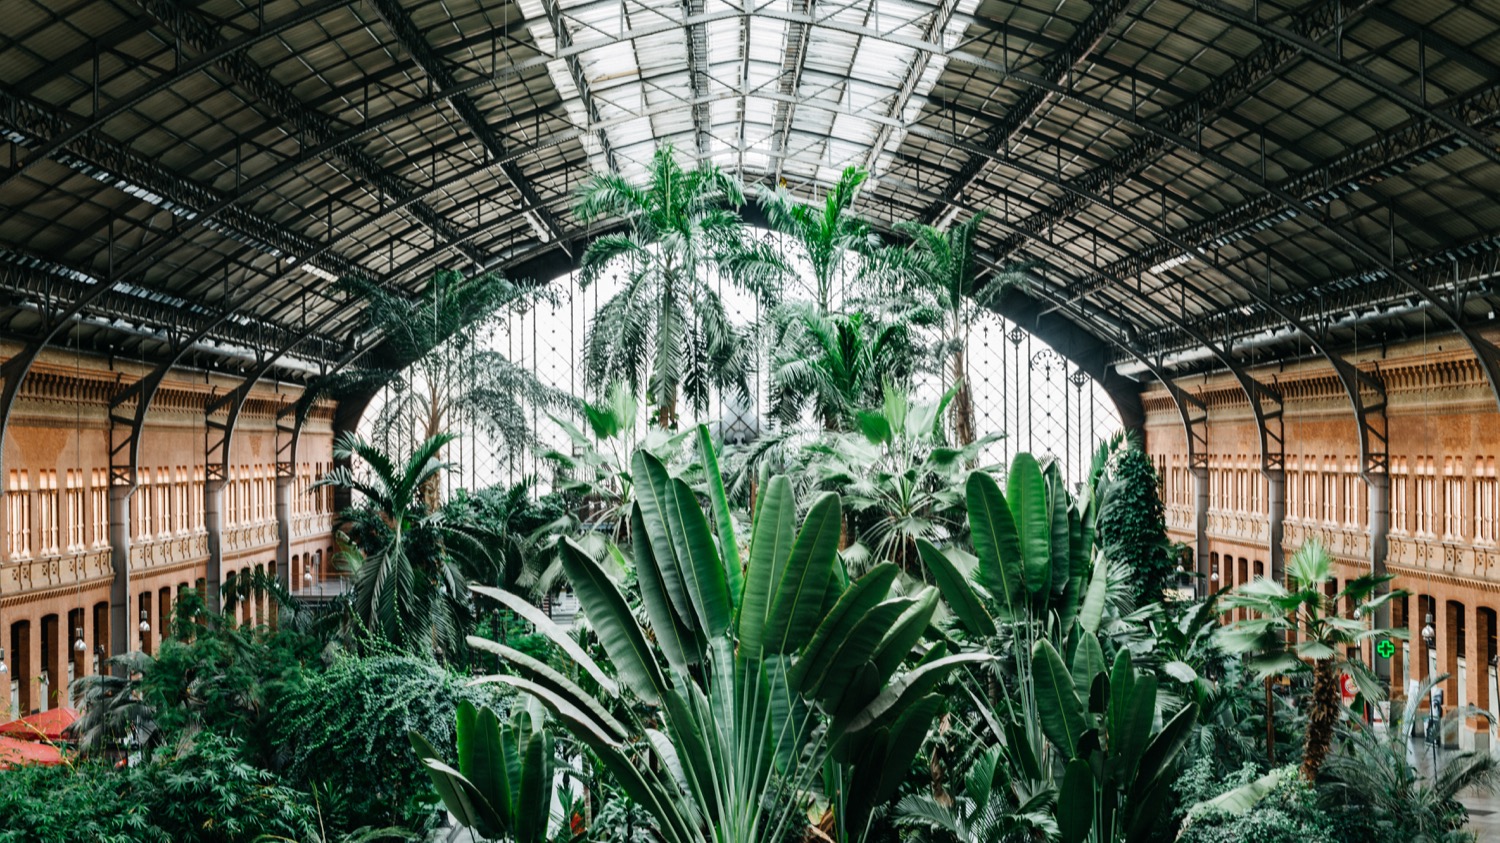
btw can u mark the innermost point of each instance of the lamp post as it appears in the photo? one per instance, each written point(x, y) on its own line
point(1435, 700)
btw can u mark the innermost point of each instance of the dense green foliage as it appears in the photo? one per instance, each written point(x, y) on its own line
point(364, 708)
point(1133, 522)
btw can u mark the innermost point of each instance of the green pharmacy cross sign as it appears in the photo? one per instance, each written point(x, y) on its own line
point(1386, 648)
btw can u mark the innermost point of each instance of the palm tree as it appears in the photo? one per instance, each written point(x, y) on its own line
point(1373, 778)
point(113, 713)
point(667, 328)
point(945, 266)
point(1303, 611)
point(826, 237)
point(436, 366)
point(839, 363)
point(411, 565)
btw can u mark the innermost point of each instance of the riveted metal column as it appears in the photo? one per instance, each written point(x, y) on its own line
point(120, 626)
point(213, 523)
point(1202, 586)
point(1276, 516)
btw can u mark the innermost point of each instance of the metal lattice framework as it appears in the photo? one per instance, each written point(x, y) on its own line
point(1200, 184)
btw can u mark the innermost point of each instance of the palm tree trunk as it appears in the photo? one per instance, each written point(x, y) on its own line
point(666, 414)
point(963, 403)
point(1321, 717)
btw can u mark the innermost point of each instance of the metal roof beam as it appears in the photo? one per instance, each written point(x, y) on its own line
point(1189, 117)
point(580, 79)
point(937, 21)
point(412, 40)
point(1057, 69)
point(696, 35)
point(798, 34)
point(310, 126)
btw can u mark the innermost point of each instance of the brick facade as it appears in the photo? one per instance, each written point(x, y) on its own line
point(56, 565)
point(1443, 426)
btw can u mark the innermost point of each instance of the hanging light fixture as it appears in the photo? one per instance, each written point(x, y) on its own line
point(78, 645)
point(4, 668)
point(1429, 635)
point(145, 623)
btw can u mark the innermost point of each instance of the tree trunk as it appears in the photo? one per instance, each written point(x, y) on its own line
point(963, 404)
point(1321, 717)
point(666, 414)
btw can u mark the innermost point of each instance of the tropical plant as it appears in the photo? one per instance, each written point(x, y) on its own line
point(344, 733)
point(1303, 611)
point(596, 474)
point(503, 785)
point(836, 362)
point(1370, 782)
point(899, 479)
point(666, 330)
point(985, 811)
point(774, 668)
point(411, 567)
point(114, 718)
point(437, 366)
point(945, 267)
point(829, 238)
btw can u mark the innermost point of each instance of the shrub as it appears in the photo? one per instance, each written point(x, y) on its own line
point(344, 732)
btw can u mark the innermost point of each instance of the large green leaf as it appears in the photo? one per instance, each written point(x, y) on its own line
point(905, 633)
point(797, 599)
point(996, 544)
point(554, 633)
point(1092, 611)
point(549, 677)
point(1059, 505)
point(729, 549)
point(614, 622)
point(477, 733)
point(1088, 662)
point(1026, 493)
point(1156, 763)
point(829, 679)
point(771, 540)
point(960, 596)
point(1075, 802)
point(699, 559)
point(639, 782)
point(679, 642)
point(653, 494)
point(1057, 703)
point(853, 605)
point(904, 691)
point(459, 795)
point(1244, 797)
point(531, 808)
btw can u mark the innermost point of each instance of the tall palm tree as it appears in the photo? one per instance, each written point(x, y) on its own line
point(945, 266)
point(411, 566)
point(829, 237)
point(1303, 611)
point(667, 328)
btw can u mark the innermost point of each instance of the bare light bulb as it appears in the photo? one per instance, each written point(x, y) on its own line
point(78, 645)
point(145, 623)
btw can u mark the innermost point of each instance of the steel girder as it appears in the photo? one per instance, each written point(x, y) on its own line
point(798, 34)
point(579, 78)
point(1190, 115)
point(225, 51)
point(312, 126)
point(697, 66)
point(1295, 38)
point(412, 40)
point(1058, 69)
point(937, 21)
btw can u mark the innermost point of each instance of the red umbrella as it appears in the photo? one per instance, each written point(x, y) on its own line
point(47, 725)
point(14, 753)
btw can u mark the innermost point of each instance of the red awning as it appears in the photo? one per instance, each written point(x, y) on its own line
point(43, 726)
point(14, 753)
